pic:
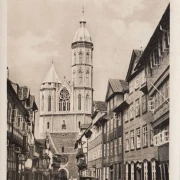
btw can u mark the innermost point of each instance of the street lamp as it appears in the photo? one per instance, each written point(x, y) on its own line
point(23, 158)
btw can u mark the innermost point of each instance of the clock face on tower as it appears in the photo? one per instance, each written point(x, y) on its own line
point(64, 160)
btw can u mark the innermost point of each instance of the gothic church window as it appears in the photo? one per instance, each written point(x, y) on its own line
point(64, 100)
point(49, 103)
point(42, 103)
point(79, 102)
point(87, 102)
point(80, 57)
point(64, 125)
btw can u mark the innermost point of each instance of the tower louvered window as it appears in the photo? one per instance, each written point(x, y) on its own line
point(87, 57)
point(87, 77)
point(49, 103)
point(80, 57)
point(80, 76)
point(64, 100)
point(79, 102)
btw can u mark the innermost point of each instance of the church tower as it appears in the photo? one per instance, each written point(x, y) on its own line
point(82, 69)
point(66, 107)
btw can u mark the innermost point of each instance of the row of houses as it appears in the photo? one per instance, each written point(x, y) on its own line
point(27, 157)
point(129, 134)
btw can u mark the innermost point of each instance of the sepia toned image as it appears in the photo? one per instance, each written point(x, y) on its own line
point(88, 89)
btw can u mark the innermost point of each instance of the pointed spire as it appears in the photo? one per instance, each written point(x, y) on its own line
point(51, 76)
point(82, 22)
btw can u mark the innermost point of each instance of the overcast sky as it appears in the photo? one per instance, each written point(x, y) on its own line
point(42, 30)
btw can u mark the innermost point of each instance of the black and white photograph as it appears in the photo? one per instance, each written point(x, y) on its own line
point(88, 90)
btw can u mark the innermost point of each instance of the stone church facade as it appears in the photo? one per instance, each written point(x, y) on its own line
point(65, 106)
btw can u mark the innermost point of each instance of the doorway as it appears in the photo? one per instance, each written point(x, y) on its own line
point(63, 174)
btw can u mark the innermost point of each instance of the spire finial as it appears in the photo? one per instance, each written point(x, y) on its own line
point(82, 20)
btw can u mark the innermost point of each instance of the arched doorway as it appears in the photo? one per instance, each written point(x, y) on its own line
point(63, 174)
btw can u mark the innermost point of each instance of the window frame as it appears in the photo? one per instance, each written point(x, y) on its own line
point(145, 136)
point(137, 111)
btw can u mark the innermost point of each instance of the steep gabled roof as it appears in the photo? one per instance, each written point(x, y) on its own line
point(136, 54)
point(57, 139)
point(117, 86)
point(51, 76)
point(100, 105)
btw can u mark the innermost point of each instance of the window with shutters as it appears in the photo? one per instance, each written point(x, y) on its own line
point(137, 107)
point(132, 139)
point(127, 141)
point(138, 138)
point(153, 169)
point(145, 170)
point(145, 136)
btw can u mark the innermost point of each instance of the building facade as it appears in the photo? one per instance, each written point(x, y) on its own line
point(65, 106)
point(95, 141)
point(21, 109)
point(155, 59)
point(113, 131)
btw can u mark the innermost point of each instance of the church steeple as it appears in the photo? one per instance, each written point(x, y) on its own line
point(82, 68)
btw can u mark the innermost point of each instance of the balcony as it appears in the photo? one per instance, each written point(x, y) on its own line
point(81, 164)
point(161, 114)
point(79, 153)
